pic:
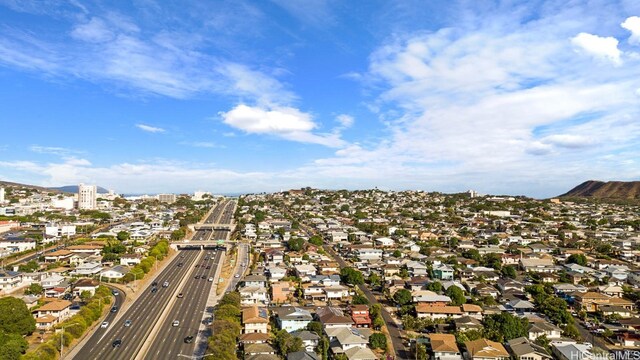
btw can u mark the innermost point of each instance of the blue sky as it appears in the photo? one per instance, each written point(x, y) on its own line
point(505, 97)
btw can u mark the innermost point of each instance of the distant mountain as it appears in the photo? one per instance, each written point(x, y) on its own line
point(25, 186)
point(74, 189)
point(606, 190)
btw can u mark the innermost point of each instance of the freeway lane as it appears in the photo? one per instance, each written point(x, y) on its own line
point(169, 341)
point(143, 313)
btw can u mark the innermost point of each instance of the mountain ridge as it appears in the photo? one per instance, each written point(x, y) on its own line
point(606, 190)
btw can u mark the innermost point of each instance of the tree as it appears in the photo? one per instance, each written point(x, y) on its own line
point(374, 279)
point(34, 289)
point(286, 343)
point(579, 259)
point(31, 266)
point(316, 240)
point(402, 297)
point(232, 298)
point(457, 295)
point(509, 271)
point(12, 346)
point(435, 286)
point(228, 312)
point(378, 322)
point(323, 347)
point(396, 253)
point(492, 260)
point(122, 235)
point(504, 326)
point(295, 244)
point(315, 326)
point(571, 331)
point(378, 341)
point(15, 317)
point(359, 299)
point(351, 276)
point(85, 296)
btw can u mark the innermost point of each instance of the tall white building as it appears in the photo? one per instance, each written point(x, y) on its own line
point(1, 195)
point(167, 198)
point(87, 195)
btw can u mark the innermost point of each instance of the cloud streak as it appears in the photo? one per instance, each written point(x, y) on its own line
point(150, 129)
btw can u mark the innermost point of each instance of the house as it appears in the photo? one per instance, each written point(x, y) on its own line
point(543, 265)
point(523, 349)
point(417, 268)
point(333, 318)
point(280, 292)
point(384, 242)
point(14, 243)
point(9, 279)
point(570, 350)
point(444, 347)
point(358, 353)
point(304, 271)
point(336, 292)
point(250, 295)
point(89, 285)
point(443, 272)
point(309, 339)
point(130, 259)
point(590, 301)
point(255, 280)
point(255, 320)
point(631, 340)
point(93, 249)
point(429, 297)
point(116, 272)
point(59, 309)
point(51, 281)
point(338, 236)
point(437, 311)
point(276, 273)
point(303, 355)
point(292, 318)
point(46, 322)
point(58, 256)
point(259, 349)
point(253, 338)
point(537, 329)
point(369, 254)
point(342, 339)
point(465, 323)
point(483, 349)
point(87, 269)
point(360, 316)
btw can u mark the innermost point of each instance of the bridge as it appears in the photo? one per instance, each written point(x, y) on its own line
point(226, 227)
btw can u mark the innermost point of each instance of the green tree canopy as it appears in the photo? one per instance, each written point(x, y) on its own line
point(15, 317)
point(579, 259)
point(295, 244)
point(351, 276)
point(378, 341)
point(457, 295)
point(504, 326)
point(402, 297)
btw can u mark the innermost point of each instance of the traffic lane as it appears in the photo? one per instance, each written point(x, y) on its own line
point(188, 311)
point(181, 306)
point(133, 337)
point(240, 269)
point(392, 327)
point(102, 339)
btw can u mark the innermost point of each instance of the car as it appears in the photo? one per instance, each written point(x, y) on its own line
point(179, 265)
point(206, 258)
point(181, 256)
point(197, 265)
point(114, 309)
point(116, 343)
point(155, 283)
point(165, 284)
point(243, 264)
point(210, 279)
point(188, 339)
point(208, 267)
point(115, 292)
point(236, 276)
point(127, 323)
point(154, 289)
point(104, 324)
point(197, 277)
point(180, 295)
point(175, 323)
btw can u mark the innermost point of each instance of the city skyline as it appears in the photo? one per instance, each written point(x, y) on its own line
point(516, 98)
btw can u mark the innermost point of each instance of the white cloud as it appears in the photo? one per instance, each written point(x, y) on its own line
point(569, 141)
point(202, 144)
point(284, 122)
point(151, 129)
point(633, 25)
point(599, 47)
point(95, 31)
point(345, 121)
point(54, 150)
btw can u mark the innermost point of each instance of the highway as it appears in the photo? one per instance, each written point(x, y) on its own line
point(143, 313)
point(215, 214)
point(189, 310)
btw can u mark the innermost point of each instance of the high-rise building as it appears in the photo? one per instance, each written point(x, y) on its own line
point(87, 195)
point(1, 195)
point(167, 198)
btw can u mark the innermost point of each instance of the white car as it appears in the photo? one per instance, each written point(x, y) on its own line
point(104, 324)
point(210, 279)
point(237, 276)
point(175, 323)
